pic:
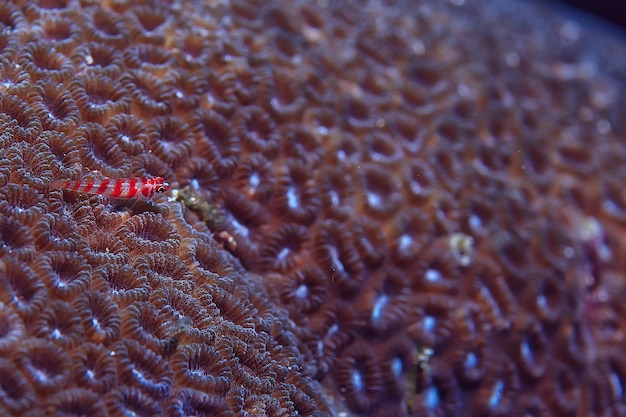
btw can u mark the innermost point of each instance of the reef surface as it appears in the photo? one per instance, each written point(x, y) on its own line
point(378, 208)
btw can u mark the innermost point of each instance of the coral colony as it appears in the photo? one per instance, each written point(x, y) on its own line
point(337, 208)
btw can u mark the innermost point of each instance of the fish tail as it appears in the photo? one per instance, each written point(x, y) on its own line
point(63, 184)
point(90, 187)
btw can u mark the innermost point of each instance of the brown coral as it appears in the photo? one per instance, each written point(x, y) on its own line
point(379, 208)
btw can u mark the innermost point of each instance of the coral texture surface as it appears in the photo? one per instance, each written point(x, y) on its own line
point(377, 208)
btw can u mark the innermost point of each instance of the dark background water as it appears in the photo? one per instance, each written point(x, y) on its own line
point(613, 11)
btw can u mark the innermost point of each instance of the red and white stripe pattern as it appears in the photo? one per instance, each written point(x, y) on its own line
point(118, 187)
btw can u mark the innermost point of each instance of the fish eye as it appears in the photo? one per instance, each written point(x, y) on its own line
point(160, 189)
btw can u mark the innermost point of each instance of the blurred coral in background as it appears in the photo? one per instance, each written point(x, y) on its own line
point(378, 208)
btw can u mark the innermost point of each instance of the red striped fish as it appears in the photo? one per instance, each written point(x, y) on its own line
point(118, 187)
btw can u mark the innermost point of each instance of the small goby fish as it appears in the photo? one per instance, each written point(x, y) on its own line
point(118, 187)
